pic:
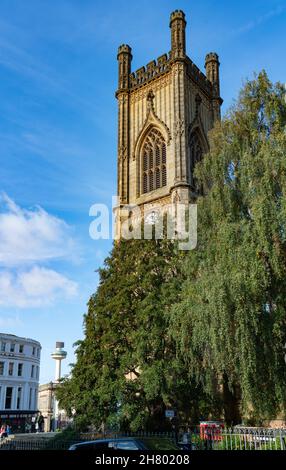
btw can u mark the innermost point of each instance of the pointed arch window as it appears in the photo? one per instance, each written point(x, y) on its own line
point(154, 171)
point(196, 155)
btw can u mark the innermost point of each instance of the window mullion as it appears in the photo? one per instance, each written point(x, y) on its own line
point(161, 165)
point(154, 165)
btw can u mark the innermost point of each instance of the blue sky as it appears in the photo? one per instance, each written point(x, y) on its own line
point(58, 119)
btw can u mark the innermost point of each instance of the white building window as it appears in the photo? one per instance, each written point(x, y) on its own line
point(30, 398)
point(2, 368)
point(19, 395)
point(11, 368)
point(8, 398)
point(21, 348)
point(12, 347)
point(3, 346)
point(34, 350)
point(20, 370)
point(32, 371)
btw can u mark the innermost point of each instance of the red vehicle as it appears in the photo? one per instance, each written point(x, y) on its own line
point(211, 430)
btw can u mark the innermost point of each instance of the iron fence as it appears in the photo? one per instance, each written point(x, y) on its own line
point(239, 438)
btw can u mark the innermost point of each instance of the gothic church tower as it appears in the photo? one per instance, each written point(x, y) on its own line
point(165, 111)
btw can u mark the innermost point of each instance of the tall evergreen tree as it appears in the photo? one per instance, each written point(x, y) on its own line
point(127, 371)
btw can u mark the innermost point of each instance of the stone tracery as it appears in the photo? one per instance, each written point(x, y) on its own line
point(153, 161)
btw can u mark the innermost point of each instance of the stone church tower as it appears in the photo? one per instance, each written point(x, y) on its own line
point(165, 111)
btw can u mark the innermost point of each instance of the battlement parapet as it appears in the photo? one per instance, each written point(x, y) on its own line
point(212, 57)
point(199, 77)
point(152, 70)
point(177, 15)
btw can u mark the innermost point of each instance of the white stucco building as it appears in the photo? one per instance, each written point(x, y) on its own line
point(19, 378)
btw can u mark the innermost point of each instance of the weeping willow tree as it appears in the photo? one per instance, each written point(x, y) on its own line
point(230, 326)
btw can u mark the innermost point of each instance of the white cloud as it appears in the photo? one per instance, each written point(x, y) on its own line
point(36, 287)
point(30, 236)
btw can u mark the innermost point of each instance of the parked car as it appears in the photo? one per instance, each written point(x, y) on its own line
point(126, 444)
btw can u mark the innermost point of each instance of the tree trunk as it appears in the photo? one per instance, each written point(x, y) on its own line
point(231, 404)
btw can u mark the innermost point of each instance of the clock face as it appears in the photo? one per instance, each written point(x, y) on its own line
point(152, 218)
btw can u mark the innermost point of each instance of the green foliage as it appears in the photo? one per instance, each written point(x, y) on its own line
point(63, 440)
point(230, 324)
point(208, 326)
point(127, 332)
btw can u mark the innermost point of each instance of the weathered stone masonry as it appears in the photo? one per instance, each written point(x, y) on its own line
point(165, 111)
